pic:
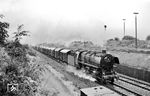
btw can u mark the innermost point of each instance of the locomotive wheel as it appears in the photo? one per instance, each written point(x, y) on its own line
point(103, 81)
point(112, 81)
point(90, 71)
point(79, 66)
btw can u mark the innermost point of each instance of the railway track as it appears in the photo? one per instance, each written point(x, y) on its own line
point(125, 90)
point(127, 86)
point(135, 82)
point(120, 90)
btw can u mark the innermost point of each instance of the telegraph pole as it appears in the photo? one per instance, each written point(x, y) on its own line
point(124, 27)
point(135, 28)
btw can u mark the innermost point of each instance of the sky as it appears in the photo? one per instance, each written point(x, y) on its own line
point(67, 20)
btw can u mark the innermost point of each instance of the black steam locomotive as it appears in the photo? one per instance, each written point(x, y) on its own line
point(99, 64)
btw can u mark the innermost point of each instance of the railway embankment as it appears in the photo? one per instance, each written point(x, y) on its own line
point(137, 73)
point(133, 62)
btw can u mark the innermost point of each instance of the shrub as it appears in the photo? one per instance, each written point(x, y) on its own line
point(110, 40)
point(148, 38)
point(128, 38)
point(3, 32)
point(20, 33)
point(31, 52)
point(17, 52)
point(15, 66)
point(116, 39)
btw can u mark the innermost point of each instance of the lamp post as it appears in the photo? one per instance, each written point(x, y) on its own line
point(135, 28)
point(124, 27)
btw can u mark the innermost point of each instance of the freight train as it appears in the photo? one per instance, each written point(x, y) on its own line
point(99, 64)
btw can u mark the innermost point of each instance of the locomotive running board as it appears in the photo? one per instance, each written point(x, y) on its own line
point(88, 64)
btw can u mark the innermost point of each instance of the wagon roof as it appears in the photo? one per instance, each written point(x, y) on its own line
point(52, 48)
point(78, 52)
point(65, 51)
point(57, 49)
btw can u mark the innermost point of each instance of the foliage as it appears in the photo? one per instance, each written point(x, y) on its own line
point(20, 33)
point(148, 38)
point(11, 75)
point(31, 52)
point(81, 44)
point(3, 32)
point(116, 39)
point(17, 52)
point(128, 38)
point(110, 40)
point(15, 65)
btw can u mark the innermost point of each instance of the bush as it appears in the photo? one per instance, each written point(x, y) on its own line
point(15, 66)
point(17, 52)
point(14, 71)
point(148, 38)
point(110, 40)
point(116, 39)
point(128, 38)
point(3, 31)
point(31, 52)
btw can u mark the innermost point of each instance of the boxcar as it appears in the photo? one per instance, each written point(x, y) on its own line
point(71, 58)
point(53, 52)
point(64, 55)
point(43, 49)
point(50, 51)
point(57, 53)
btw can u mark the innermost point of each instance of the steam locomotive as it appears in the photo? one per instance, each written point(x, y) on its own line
point(99, 64)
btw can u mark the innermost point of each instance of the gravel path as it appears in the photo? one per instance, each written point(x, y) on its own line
point(53, 80)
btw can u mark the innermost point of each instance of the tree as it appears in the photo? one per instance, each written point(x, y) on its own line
point(3, 31)
point(128, 38)
point(116, 39)
point(20, 33)
point(148, 38)
point(15, 48)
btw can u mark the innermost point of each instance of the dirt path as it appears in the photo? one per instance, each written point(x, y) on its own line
point(53, 81)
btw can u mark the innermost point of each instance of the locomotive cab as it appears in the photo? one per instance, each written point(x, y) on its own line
point(116, 60)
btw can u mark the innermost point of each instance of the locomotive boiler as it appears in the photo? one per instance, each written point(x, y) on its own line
point(99, 64)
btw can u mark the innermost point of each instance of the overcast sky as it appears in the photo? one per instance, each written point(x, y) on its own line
point(67, 20)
